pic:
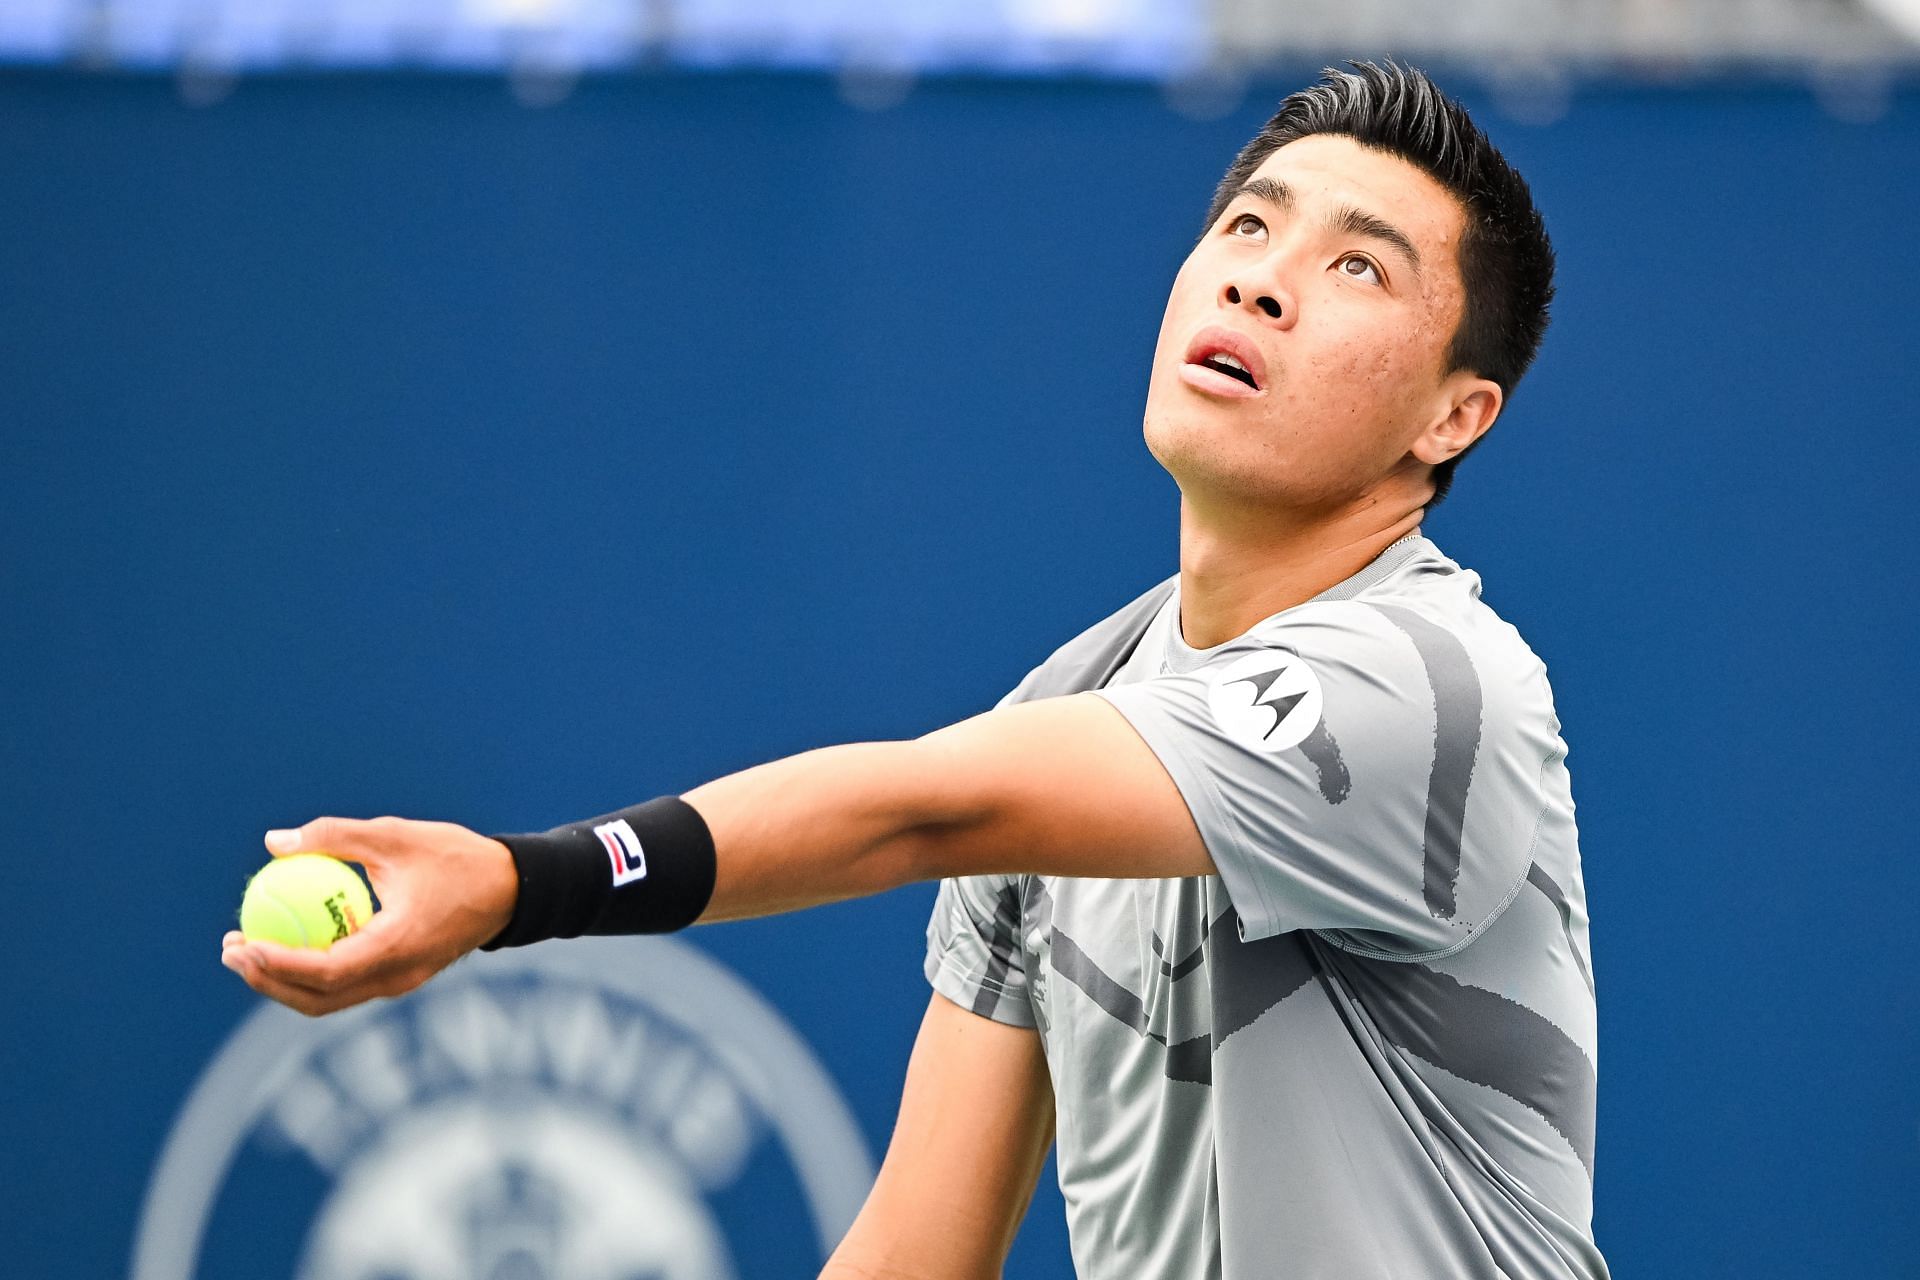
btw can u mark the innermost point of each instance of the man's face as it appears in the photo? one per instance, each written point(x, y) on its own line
point(1333, 278)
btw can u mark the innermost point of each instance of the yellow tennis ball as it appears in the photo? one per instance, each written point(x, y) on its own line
point(304, 900)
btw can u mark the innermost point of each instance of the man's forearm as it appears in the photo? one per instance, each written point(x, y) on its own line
point(836, 823)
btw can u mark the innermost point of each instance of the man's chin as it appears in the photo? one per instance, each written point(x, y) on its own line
point(1202, 470)
point(1190, 432)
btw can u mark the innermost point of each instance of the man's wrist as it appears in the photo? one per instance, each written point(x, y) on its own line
point(646, 869)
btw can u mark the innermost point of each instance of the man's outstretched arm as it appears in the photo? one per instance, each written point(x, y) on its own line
point(1062, 786)
point(976, 1120)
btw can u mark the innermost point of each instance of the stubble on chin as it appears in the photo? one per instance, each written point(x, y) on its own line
point(1215, 468)
point(1207, 466)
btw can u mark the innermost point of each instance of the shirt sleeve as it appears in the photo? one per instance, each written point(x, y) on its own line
point(1352, 772)
point(975, 952)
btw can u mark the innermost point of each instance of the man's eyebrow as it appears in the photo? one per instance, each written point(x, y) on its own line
point(1346, 219)
point(1359, 222)
point(1271, 190)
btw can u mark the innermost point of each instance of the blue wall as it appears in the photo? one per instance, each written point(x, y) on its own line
point(378, 445)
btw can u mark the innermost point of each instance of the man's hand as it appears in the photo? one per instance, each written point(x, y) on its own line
point(443, 891)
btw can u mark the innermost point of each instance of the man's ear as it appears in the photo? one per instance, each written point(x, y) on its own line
point(1471, 405)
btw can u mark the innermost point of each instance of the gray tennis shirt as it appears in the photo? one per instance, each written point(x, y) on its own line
point(1365, 1048)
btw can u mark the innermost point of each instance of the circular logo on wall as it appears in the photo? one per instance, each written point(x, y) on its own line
point(1269, 700)
point(610, 1109)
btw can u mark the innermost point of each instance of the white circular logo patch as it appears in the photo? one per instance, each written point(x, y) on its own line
point(1268, 700)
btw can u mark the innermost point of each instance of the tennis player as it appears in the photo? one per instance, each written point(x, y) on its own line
point(1261, 899)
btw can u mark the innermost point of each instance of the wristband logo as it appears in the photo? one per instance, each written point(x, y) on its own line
point(623, 846)
point(606, 1109)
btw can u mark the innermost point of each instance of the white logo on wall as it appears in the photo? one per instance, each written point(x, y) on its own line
point(564, 1112)
point(1268, 700)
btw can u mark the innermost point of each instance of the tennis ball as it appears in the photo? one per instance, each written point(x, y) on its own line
point(304, 900)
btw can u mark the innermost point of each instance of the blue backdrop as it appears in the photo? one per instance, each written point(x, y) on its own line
point(379, 445)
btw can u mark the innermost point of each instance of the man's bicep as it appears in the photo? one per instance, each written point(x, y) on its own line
point(976, 1121)
point(1061, 786)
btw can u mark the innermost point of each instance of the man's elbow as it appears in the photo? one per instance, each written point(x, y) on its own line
point(964, 808)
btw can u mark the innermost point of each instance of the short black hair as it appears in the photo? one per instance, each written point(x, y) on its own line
point(1506, 259)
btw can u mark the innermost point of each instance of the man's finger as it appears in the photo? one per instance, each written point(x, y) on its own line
point(314, 1003)
point(254, 960)
point(243, 962)
point(353, 839)
point(362, 957)
point(298, 998)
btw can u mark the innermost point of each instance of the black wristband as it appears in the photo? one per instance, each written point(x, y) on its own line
point(648, 869)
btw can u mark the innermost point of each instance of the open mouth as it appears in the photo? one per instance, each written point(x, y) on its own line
point(1221, 362)
point(1226, 353)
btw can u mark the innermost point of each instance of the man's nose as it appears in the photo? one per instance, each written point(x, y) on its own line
point(1267, 300)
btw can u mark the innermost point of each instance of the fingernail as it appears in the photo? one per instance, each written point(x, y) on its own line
point(279, 841)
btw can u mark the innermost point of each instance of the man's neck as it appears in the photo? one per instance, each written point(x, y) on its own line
point(1237, 567)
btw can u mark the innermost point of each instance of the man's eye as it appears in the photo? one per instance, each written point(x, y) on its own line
point(1360, 268)
point(1246, 224)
